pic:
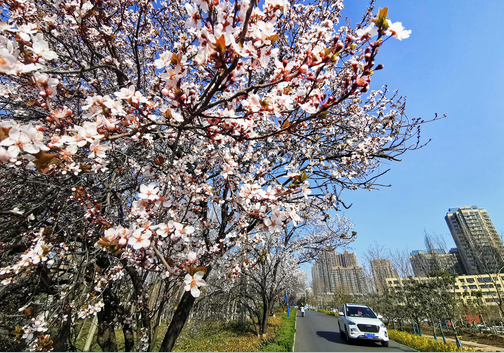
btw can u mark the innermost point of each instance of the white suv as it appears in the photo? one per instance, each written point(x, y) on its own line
point(358, 321)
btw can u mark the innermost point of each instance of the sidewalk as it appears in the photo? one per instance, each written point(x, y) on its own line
point(469, 344)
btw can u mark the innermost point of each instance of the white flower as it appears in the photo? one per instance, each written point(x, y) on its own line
point(397, 30)
point(16, 210)
point(41, 47)
point(192, 283)
point(371, 30)
point(140, 239)
point(97, 150)
point(8, 62)
point(148, 191)
point(164, 60)
point(193, 21)
point(18, 140)
point(191, 257)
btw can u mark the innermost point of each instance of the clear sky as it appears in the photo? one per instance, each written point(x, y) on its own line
point(452, 63)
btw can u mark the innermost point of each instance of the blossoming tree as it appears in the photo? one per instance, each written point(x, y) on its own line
point(270, 268)
point(141, 140)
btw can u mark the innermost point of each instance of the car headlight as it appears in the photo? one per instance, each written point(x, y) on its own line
point(351, 323)
point(383, 325)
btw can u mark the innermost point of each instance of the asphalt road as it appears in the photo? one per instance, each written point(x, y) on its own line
point(318, 332)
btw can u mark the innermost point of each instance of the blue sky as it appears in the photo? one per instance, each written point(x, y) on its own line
point(452, 63)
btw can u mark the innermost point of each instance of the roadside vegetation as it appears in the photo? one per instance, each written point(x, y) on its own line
point(284, 338)
point(219, 336)
point(425, 344)
point(328, 312)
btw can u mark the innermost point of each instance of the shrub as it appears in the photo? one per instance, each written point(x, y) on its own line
point(284, 339)
point(328, 312)
point(424, 344)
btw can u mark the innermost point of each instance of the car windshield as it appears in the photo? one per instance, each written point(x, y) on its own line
point(354, 311)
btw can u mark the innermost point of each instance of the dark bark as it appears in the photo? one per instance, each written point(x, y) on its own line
point(129, 340)
point(60, 343)
point(106, 332)
point(179, 319)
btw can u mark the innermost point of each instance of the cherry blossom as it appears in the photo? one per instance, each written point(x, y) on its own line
point(193, 283)
point(148, 191)
point(150, 139)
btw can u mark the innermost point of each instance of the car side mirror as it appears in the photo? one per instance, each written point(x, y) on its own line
point(341, 314)
point(380, 317)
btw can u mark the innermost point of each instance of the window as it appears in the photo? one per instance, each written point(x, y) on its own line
point(484, 279)
point(470, 280)
point(473, 286)
point(486, 286)
point(456, 287)
point(396, 282)
point(464, 287)
point(462, 280)
point(490, 300)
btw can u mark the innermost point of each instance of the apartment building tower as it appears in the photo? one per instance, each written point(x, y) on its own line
point(479, 245)
point(382, 269)
point(333, 271)
point(425, 262)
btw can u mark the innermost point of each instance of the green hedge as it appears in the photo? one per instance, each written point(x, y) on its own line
point(328, 312)
point(424, 344)
point(284, 339)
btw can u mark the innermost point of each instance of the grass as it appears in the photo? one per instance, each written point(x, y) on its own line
point(219, 337)
point(284, 339)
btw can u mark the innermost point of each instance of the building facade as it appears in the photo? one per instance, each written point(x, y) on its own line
point(424, 262)
point(332, 272)
point(382, 269)
point(479, 245)
point(486, 289)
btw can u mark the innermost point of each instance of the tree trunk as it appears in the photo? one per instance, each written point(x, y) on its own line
point(179, 319)
point(60, 343)
point(106, 331)
point(265, 316)
point(129, 338)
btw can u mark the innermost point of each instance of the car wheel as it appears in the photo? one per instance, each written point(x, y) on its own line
point(341, 331)
point(348, 338)
point(385, 343)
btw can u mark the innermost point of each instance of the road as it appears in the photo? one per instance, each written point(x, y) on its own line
point(318, 332)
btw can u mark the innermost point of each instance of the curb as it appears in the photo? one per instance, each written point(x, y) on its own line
point(295, 331)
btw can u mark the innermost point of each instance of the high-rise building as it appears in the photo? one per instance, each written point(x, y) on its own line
point(333, 271)
point(382, 269)
point(321, 271)
point(424, 262)
point(346, 259)
point(479, 245)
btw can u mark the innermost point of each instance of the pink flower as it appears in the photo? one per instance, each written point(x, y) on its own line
point(164, 60)
point(193, 21)
point(371, 30)
point(148, 191)
point(191, 257)
point(8, 62)
point(192, 283)
point(140, 239)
